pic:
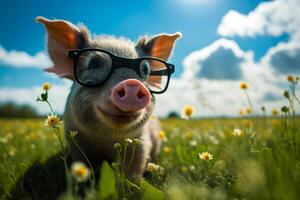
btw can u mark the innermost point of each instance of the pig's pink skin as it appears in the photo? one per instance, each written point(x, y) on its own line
point(130, 95)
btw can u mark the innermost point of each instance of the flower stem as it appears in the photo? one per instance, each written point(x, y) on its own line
point(50, 106)
point(86, 158)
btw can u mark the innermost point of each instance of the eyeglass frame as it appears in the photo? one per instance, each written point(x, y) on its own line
point(120, 62)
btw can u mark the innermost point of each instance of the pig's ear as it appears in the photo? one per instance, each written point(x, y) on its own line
point(159, 46)
point(61, 37)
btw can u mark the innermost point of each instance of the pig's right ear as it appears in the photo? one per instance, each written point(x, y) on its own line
point(62, 36)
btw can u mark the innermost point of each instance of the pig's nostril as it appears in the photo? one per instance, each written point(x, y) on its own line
point(121, 92)
point(140, 94)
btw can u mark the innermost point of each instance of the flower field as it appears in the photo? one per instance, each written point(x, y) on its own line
point(247, 158)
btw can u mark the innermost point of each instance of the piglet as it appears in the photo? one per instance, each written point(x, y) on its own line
point(112, 96)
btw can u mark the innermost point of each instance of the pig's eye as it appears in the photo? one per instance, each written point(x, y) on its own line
point(93, 68)
point(96, 63)
point(145, 68)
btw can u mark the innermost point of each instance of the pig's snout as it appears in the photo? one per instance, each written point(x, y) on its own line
point(130, 95)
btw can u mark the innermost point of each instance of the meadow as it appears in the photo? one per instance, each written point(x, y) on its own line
point(248, 157)
point(261, 163)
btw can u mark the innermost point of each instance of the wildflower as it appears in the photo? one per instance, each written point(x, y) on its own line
point(128, 140)
point(46, 86)
point(213, 139)
point(248, 124)
point(286, 94)
point(274, 112)
point(236, 132)
point(290, 78)
point(263, 108)
point(187, 112)
point(193, 143)
point(248, 111)
point(205, 156)
point(192, 167)
point(184, 169)
point(114, 165)
point(136, 141)
point(12, 151)
point(80, 172)
point(72, 134)
point(152, 167)
point(52, 120)
point(167, 149)
point(241, 112)
point(188, 135)
point(162, 135)
point(152, 117)
point(117, 145)
point(244, 86)
point(4, 140)
point(275, 122)
point(285, 109)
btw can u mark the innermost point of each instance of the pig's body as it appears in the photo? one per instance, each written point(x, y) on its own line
point(118, 108)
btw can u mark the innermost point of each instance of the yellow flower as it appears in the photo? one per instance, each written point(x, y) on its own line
point(80, 172)
point(187, 112)
point(152, 167)
point(236, 132)
point(290, 78)
point(244, 85)
point(12, 151)
point(275, 112)
point(184, 169)
point(248, 123)
point(188, 135)
point(153, 117)
point(248, 111)
point(3, 140)
point(241, 112)
point(162, 135)
point(46, 86)
point(167, 149)
point(52, 120)
point(205, 156)
point(275, 122)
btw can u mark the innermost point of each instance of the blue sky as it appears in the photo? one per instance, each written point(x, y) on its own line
point(197, 20)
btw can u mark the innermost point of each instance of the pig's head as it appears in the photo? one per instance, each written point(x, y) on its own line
point(114, 78)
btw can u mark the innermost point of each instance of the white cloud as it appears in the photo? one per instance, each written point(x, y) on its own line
point(268, 18)
point(57, 96)
point(283, 58)
point(23, 59)
point(213, 96)
point(219, 60)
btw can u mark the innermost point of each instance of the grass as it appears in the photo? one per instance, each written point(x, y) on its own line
point(262, 163)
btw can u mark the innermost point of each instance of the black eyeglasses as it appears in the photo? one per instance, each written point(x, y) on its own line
point(92, 67)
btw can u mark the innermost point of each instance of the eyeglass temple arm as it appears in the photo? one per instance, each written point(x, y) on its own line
point(163, 72)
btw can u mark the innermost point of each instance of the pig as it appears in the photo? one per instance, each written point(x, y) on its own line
point(121, 107)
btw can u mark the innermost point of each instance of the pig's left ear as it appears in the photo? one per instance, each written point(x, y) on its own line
point(62, 36)
point(159, 46)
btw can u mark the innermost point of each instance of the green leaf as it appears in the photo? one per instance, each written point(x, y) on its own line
point(107, 182)
point(44, 96)
point(149, 192)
